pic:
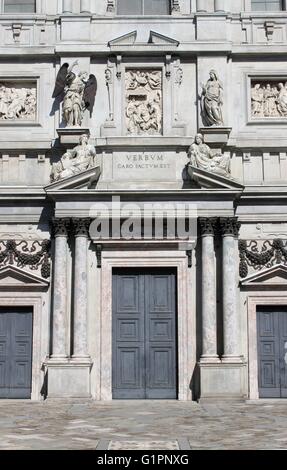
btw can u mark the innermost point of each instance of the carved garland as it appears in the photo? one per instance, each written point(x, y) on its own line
point(271, 252)
point(21, 255)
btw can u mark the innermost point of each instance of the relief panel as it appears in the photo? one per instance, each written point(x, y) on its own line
point(18, 101)
point(143, 89)
point(269, 98)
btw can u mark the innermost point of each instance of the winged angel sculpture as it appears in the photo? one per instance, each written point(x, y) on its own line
point(79, 93)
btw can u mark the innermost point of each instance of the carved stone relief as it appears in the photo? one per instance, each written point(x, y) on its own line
point(18, 101)
point(32, 255)
point(143, 101)
point(256, 255)
point(268, 99)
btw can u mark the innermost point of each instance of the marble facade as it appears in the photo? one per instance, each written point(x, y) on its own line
point(147, 112)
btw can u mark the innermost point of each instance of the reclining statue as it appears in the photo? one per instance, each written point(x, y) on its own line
point(74, 161)
point(201, 156)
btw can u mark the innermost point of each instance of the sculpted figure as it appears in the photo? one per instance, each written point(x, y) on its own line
point(282, 99)
point(74, 161)
point(200, 156)
point(211, 101)
point(257, 98)
point(79, 93)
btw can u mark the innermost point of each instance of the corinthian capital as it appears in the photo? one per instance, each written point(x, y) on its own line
point(207, 225)
point(60, 227)
point(81, 227)
point(229, 226)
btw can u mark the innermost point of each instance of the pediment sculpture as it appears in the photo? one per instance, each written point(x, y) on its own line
point(201, 156)
point(74, 161)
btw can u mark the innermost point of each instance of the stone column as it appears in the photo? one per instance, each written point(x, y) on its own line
point(231, 335)
point(85, 6)
point(81, 231)
point(219, 5)
point(67, 6)
point(201, 5)
point(59, 343)
point(208, 294)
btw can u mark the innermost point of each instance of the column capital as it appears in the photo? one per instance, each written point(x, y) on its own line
point(229, 226)
point(207, 225)
point(81, 227)
point(60, 227)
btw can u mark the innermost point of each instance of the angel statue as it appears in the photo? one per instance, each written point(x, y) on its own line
point(79, 93)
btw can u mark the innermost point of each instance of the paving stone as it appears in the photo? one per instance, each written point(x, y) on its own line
point(61, 425)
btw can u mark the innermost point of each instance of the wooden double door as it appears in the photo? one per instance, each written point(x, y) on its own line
point(144, 334)
point(272, 352)
point(15, 352)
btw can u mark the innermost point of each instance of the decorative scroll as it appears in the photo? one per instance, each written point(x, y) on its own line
point(268, 99)
point(143, 101)
point(261, 255)
point(17, 102)
point(21, 254)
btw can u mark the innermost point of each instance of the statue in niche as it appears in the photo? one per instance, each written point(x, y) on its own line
point(269, 100)
point(212, 101)
point(144, 102)
point(17, 103)
point(80, 158)
point(79, 91)
point(201, 156)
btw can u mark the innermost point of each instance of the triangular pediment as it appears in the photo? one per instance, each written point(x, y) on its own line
point(12, 277)
point(156, 41)
point(85, 180)
point(125, 40)
point(270, 277)
point(156, 38)
point(206, 179)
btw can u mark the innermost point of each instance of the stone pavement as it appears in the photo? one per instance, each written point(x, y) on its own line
point(142, 425)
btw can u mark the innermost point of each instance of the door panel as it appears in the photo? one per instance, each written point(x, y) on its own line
point(272, 341)
point(15, 353)
point(128, 336)
point(283, 353)
point(144, 334)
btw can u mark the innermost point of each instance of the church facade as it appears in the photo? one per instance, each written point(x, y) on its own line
point(143, 199)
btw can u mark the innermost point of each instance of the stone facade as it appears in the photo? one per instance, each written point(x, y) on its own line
point(188, 109)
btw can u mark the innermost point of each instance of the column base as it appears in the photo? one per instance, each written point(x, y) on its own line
point(223, 381)
point(68, 378)
point(209, 360)
point(232, 359)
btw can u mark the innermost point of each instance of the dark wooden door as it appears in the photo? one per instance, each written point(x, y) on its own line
point(272, 352)
point(144, 334)
point(15, 352)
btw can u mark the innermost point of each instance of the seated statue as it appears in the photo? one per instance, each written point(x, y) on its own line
point(74, 161)
point(201, 157)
